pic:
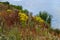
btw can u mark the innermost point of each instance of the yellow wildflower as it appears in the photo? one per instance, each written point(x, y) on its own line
point(9, 10)
point(39, 19)
point(23, 17)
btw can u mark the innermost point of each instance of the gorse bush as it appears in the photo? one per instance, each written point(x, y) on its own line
point(39, 19)
point(23, 16)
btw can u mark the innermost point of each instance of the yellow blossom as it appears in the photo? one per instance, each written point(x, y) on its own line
point(9, 10)
point(39, 19)
point(23, 16)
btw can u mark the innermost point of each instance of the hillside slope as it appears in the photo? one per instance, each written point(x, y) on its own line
point(19, 24)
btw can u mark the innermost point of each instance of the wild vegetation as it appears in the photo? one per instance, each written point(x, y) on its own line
point(19, 24)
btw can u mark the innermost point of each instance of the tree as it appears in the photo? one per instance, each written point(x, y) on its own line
point(49, 19)
point(25, 11)
point(46, 17)
point(17, 7)
point(5, 2)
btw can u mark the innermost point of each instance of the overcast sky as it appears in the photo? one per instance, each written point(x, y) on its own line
point(51, 6)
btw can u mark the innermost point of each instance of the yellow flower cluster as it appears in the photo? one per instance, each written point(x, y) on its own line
point(23, 17)
point(39, 19)
point(8, 10)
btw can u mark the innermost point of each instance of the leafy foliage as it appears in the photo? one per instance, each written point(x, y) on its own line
point(45, 16)
point(5, 2)
point(57, 31)
point(17, 7)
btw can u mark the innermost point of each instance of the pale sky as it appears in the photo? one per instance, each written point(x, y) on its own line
point(51, 6)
